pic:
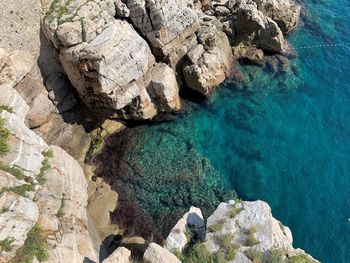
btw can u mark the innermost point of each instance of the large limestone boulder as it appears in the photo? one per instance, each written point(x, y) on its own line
point(120, 255)
point(108, 62)
point(165, 23)
point(208, 63)
point(191, 222)
point(157, 254)
point(285, 13)
point(252, 27)
point(164, 88)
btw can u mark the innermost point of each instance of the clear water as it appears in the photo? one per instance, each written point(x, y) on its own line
point(284, 140)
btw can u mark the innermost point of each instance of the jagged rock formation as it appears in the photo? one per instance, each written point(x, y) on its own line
point(112, 50)
point(42, 187)
point(239, 229)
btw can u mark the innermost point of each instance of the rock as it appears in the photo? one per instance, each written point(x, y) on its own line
point(165, 23)
point(14, 66)
point(41, 108)
point(205, 70)
point(193, 222)
point(25, 146)
point(252, 27)
point(250, 55)
point(164, 86)
point(18, 215)
point(60, 91)
point(62, 202)
point(268, 232)
point(156, 254)
point(120, 255)
point(10, 98)
point(122, 9)
point(285, 13)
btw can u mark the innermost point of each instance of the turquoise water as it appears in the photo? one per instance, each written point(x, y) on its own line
point(283, 139)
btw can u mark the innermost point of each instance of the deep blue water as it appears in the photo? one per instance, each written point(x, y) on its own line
point(284, 139)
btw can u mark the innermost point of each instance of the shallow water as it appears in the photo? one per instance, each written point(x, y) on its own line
point(284, 140)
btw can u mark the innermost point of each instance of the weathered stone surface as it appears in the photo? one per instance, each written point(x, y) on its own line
point(25, 146)
point(268, 232)
point(18, 215)
point(10, 98)
point(165, 23)
point(209, 62)
point(252, 27)
point(62, 202)
point(163, 86)
point(156, 254)
point(284, 12)
point(191, 221)
point(14, 66)
point(120, 255)
point(119, 56)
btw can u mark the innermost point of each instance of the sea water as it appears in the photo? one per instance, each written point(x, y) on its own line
point(283, 138)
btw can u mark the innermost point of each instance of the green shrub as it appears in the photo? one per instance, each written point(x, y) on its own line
point(6, 244)
point(43, 170)
point(255, 256)
point(48, 153)
point(198, 253)
point(301, 258)
point(20, 189)
point(224, 240)
point(34, 246)
point(235, 211)
point(227, 248)
point(4, 135)
point(251, 240)
point(14, 170)
point(217, 226)
point(276, 255)
point(60, 212)
point(6, 108)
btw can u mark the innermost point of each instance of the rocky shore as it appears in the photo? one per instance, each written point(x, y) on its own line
point(125, 60)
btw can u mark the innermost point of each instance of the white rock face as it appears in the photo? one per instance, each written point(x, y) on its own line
point(18, 215)
point(60, 202)
point(120, 255)
point(192, 220)
point(15, 65)
point(157, 254)
point(165, 23)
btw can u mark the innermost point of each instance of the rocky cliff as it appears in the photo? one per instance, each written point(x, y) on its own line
point(237, 232)
point(43, 190)
point(128, 59)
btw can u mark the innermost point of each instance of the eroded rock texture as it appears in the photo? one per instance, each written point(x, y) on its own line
point(114, 51)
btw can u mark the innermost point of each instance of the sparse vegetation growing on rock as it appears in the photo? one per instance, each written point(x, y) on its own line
point(251, 240)
point(198, 253)
point(276, 255)
point(217, 226)
point(20, 189)
point(235, 211)
point(6, 108)
point(301, 258)
point(256, 256)
point(4, 135)
point(60, 212)
point(6, 244)
point(34, 246)
point(227, 248)
point(14, 170)
point(44, 168)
